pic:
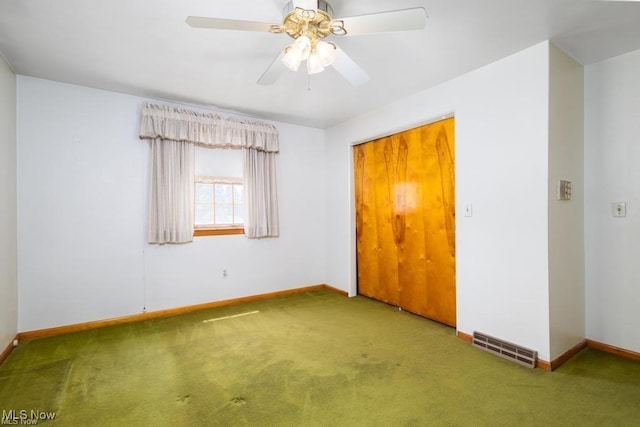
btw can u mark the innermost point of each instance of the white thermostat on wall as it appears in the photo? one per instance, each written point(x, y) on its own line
point(564, 190)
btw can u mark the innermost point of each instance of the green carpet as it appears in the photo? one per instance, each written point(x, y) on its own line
point(313, 359)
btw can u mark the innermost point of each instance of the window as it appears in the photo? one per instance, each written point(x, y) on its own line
point(179, 140)
point(218, 201)
point(219, 207)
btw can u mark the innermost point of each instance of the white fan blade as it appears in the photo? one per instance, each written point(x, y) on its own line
point(228, 24)
point(273, 73)
point(395, 20)
point(347, 67)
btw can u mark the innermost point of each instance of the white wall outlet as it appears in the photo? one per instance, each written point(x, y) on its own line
point(619, 209)
point(225, 273)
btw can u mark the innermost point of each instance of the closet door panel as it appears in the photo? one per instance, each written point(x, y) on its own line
point(405, 220)
point(377, 256)
point(439, 216)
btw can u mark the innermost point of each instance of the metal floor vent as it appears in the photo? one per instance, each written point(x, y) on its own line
point(507, 350)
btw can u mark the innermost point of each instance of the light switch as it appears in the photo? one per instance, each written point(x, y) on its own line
point(468, 210)
point(564, 190)
point(619, 209)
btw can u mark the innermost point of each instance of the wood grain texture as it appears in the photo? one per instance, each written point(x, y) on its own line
point(200, 232)
point(7, 351)
point(466, 337)
point(560, 360)
point(613, 350)
point(543, 364)
point(405, 220)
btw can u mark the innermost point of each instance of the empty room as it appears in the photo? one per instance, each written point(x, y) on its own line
point(292, 213)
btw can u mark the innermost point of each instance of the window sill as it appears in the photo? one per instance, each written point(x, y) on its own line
point(199, 232)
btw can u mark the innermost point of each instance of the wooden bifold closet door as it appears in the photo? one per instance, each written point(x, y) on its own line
point(405, 220)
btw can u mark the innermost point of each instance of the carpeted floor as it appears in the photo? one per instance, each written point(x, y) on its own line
point(313, 359)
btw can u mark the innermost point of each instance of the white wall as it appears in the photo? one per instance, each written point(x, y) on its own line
point(82, 202)
point(612, 174)
point(501, 115)
point(8, 229)
point(189, 274)
point(81, 198)
point(566, 218)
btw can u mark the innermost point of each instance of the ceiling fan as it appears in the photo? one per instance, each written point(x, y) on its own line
point(309, 22)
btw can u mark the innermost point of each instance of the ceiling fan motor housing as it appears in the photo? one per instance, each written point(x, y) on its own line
point(309, 18)
point(308, 5)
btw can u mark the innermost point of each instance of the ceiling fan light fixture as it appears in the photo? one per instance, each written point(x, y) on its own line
point(308, 23)
point(292, 57)
point(326, 52)
point(314, 63)
point(304, 43)
point(295, 53)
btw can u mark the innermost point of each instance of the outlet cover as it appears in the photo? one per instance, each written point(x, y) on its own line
point(619, 209)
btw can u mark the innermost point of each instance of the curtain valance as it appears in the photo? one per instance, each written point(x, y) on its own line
point(210, 130)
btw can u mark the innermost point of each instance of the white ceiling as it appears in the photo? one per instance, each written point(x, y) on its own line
point(144, 48)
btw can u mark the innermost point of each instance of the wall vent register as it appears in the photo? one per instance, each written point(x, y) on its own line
point(504, 349)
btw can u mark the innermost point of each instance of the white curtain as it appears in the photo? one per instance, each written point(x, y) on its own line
point(172, 187)
point(207, 130)
point(173, 132)
point(261, 195)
